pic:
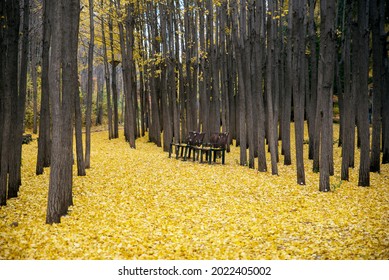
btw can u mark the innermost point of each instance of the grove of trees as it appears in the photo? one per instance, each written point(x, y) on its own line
point(166, 67)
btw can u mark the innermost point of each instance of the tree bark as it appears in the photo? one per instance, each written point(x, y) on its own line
point(18, 115)
point(362, 95)
point(88, 113)
point(348, 138)
point(378, 44)
point(44, 142)
point(298, 89)
point(325, 88)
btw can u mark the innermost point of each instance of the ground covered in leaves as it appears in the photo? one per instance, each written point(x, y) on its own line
point(139, 204)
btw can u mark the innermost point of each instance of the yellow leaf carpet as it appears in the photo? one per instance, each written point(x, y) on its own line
point(139, 204)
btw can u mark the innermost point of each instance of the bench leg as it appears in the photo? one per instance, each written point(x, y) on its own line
point(170, 150)
point(185, 153)
point(223, 156)
point(177, 151)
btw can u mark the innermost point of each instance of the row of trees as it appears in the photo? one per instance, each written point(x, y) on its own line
point(248, 67)
point(59, 87)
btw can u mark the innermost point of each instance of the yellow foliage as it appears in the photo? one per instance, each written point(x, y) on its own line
point(139, 204)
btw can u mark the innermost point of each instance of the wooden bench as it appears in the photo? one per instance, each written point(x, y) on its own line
point(197, 142)
point(217, 145)
point(183, 146)
point(27, 138)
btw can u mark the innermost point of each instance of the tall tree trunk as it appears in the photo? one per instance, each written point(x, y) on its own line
point(10, 94)
point(270, 90)
point(18, 115)
point(298, 89)
point(259, 43)
point(239, 51)
point(34, 78)
point(247, 74)
point(88, 114)
point(78, 133)
point(107, 77)
point(129, 65)
point(166, 116)
point(44, 142)
point(155, 130)
point(99, 96)
point(312, 101)
point(287, 98)
point(378, 32)
point(325, 88)
point(348, 138)
point(114, 63)
point(362, 95)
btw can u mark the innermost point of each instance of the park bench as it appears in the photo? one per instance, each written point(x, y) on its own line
point(197, 142)
point(181, 147)
point(217, 146)
point(27, 138)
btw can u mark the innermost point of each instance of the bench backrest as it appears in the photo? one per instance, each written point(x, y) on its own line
point(190, 139)
point(219, 140)
point(199, 138)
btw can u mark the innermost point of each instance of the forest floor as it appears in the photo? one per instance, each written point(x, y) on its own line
point(140, 204)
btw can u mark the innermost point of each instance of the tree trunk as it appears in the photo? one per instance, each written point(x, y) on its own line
point(259, 43)
point(348, 138)
point(239, 50)
point(44, 141)
point(34, 77)
point(155, 129)
point(88, 114)
point(312, 100)
point(325, 88)
point(114, 80)
point(362, 95)
point(298, 89)
point(18, 115)
point(107, 77)
point(378, 44)
point(270, 90)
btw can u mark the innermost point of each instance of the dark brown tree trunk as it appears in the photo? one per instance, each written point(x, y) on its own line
point(312, 100)
point(270, 90)
point(88, 113)
point(325, 88)
point(34, 79)
point(377, 14)
point(78, 133)
point(44, 142)
point(166, 116)
point(239, 51)
point(64, 44)
point(259, 43)
point(130, 94)
point(107, 77)
point(247, 32)
point(9, 95)
point(362, 94)
point(348, 138)
point(99, 96)
point(3, 192)
point(113, 80)
point(15, 158)
point(287, 98)
point(298, 89)
point(155, 128)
